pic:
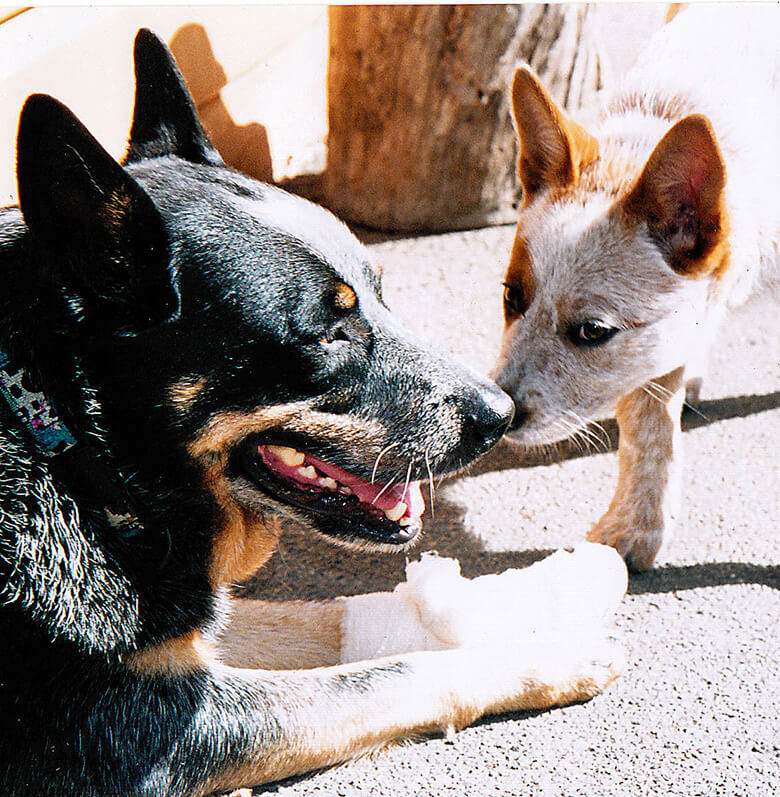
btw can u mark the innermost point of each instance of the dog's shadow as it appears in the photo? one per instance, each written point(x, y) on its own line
point(244, 147)
point(312, 569)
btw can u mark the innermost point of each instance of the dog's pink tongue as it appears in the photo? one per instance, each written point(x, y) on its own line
point(375, 494)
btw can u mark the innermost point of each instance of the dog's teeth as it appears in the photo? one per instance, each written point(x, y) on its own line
point(328, 483)
point(405, 521)
point(306, 473)
point(397, 512)
point(289, 456)
point(345, 490)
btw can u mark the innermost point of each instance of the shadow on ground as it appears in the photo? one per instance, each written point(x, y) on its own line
point(508, 455)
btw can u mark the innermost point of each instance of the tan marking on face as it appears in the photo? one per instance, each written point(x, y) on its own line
point(344, 297)
point(179, 656)
point(520, 276)
point(226, 429)
point(185, 391)
point(244, 540)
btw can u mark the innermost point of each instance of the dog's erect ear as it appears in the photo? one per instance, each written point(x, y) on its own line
point(165, 121)
point(107, 239)
point(679, 194)
point(553, 148)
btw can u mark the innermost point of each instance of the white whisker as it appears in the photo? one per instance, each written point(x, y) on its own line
point(430, 482)
point(696, 410)
point(408, 477)
point(379, 456)
point(386, 487)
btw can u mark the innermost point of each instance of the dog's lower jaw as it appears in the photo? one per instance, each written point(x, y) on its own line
point(646, 500)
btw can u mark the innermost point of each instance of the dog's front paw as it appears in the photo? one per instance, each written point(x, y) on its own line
point(545, 670)
point(637, 546)
point(600, 663)
point(567, 590)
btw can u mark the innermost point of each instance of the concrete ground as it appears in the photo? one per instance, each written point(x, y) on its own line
point(696, 712)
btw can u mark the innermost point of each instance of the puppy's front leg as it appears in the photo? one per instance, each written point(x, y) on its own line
point(645, 503)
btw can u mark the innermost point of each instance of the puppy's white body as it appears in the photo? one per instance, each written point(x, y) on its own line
point(633, 242)
point(722, 61)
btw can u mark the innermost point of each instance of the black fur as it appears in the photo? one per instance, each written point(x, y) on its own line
point(117, 283)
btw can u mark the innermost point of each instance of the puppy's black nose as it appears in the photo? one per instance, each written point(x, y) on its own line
point(486, 418)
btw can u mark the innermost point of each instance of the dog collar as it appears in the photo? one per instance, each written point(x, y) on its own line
point(33, 410)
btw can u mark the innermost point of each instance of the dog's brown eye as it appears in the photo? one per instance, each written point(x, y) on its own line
point(344, 297)
point(590, 333)
point(513, 300)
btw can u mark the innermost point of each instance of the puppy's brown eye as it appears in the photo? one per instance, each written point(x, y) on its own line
point(513, 300)
point(590, 333)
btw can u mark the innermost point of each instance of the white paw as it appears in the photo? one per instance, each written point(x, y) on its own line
point(546, 670)
point(564, 591)
point(599, 663)
point(564, 596)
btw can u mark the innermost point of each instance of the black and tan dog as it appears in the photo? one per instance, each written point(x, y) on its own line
point(218, 355)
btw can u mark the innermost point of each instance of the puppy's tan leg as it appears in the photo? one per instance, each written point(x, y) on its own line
point(649, 470)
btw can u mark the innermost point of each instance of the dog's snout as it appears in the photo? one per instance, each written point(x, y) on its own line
point(486, 417)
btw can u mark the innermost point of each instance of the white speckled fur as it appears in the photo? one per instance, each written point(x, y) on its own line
point(586, 262)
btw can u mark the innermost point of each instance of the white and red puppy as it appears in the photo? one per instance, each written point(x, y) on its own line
point(633, 242)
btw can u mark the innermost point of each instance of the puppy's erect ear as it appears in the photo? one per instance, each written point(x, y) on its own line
point(165, 121)
point(107, 240)
point(553, 148)
point(679, 194)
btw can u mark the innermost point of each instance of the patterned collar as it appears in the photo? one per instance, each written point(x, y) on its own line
point(33, 409)
point(53, 438)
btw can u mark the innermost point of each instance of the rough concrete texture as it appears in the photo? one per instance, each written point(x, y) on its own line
point(696, 712)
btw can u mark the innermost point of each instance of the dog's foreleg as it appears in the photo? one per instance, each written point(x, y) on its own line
point(435, 609)
point(292, 635)
point(645, 503)
point(284, 723)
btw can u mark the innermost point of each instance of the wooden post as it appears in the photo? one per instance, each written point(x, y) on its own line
point(420, 131)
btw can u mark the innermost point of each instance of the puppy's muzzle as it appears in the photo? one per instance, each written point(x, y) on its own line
point(519, 417)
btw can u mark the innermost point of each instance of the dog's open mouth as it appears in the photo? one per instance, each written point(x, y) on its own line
point(341, 504)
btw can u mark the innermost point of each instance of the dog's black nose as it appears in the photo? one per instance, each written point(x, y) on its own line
point(486, 418)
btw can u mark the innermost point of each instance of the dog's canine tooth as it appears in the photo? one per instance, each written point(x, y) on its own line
point(397, 512)
point(289, 456)
point(345, 490)
point(328, 483)
point(306, 473)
